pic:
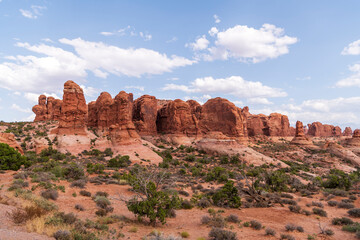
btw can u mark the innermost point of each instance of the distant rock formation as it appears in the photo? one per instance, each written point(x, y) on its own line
point(74, 111)
point(9, 139)
point(275, 124)
point(355, 140)
point(318, 129)
point(347, 132)
point(300, 138)
point(47, 109)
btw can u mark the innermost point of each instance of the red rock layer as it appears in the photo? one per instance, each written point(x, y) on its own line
point(347, 132)
point(300, 138)
point(74, 111)
point(318, 129)
point(145, 114)
point(47, 109)
point(275, 124)
point(9, 139)
point(355, 140)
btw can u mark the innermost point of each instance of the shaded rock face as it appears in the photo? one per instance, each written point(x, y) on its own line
point(47, 109)
point(300, 138)
point(73, 115)
point(347, 132)
point(113, 117)
point(275, 124)
point(221, 115)
point(145, 114)
point(176, 118)
point(355, 140)
point(9, 139)
point(318, 129)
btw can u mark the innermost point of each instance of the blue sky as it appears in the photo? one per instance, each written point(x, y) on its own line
point(299, 58)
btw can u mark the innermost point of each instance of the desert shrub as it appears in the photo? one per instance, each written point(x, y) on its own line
point(50, 194)
point(85, 193)
point(342, 221)
point(355, 212)
point(317, 204)
point(119, 162)
point(97, 168)
point(355, 227)
point(214, 220)
point(204, 203)
point(184, 234)
point(18, 184)
point(306, 212)
point(217, 174)
point(232, 218)
point(74, 171)
point(332, 203)
point(339, 179)
point(345, 205)
point(276, 180)
point(101, 193)
point(357, 234)
point(186, 204)
point(270, 232)
point(156, 200)
point(108, 152)
point(79, 207)
point(190, 158)
point(11, 159)
point(101, 212)
point(353, 197)
point(62, 235)
point(80, 183)
point(329, 232)
point(287, 237)
point(295, 208)
point(17, 216)
point(286, 195)
point(299, 229)
point(102, 202)
point(227, 196)
point(255, 225)
point(184, 193)
point(222, 234)
point(290, 227)
point(320, 212)
point(288, 201)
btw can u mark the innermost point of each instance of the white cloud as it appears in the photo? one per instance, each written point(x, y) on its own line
point(259, 100)
point(30, 118)
point(247, 44)
point(338, 111)
point(90, 91)
point(234, 85)
point(217, 19)
point(173, 79)
point(145, 36)
point(173, 39)
point(352, 49)
point(213, 31)
point(48, 71)
point(34, 13)
point(107, 33)
point(141, 88)
point(303, 78)
point(202, 99)
point(20, 109)
point(200, 44)
point(33, 97)
point(238, 103)
point(47, 40)
point(120, 61)
point(352, 80)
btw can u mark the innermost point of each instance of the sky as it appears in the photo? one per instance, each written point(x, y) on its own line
point(299, 58)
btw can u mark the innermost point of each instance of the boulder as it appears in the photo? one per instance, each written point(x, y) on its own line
point(9, 139)
point(355, 140)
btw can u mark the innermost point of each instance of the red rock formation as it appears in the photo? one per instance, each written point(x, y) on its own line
point(73, 116)
point(275, 124)
point(40, 110)
point(47, 109)
point(347, 132)
point(145, 114)
point(9, 139)
point(176, 118)
point(221, 115)
point(300, 138)
point(355, 140)
point(318, 129)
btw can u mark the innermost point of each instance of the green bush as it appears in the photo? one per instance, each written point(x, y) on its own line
point(119, 162)
point(227, 196)
point(11, 159)
point(74, 171)
point(95, 168)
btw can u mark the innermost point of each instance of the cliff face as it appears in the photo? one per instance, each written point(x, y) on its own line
point(126, 119)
